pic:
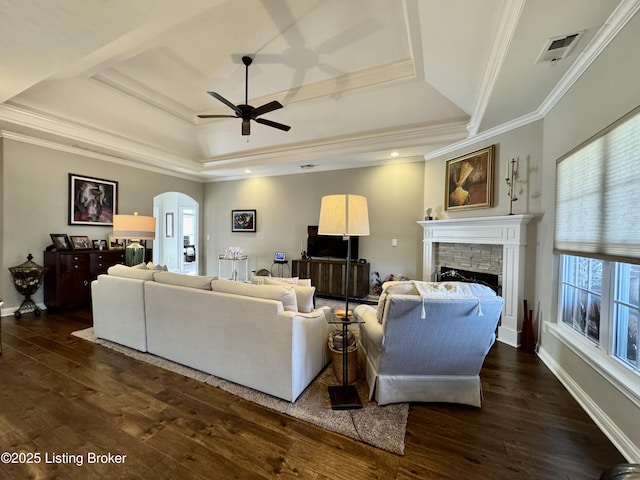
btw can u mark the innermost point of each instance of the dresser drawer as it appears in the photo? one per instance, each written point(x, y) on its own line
point(72, 263)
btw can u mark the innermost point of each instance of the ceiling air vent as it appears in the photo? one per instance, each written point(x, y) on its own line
point(557, 48)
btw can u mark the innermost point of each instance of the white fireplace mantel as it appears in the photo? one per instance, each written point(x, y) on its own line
point(510, 231)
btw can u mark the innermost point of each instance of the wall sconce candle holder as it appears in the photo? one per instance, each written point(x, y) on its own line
point(511, 175)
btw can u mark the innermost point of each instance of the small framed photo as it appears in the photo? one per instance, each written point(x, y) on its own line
point(115, 243)
point(60, 241)
point(80, 242)
point(243, 220)
point(99, 244)
point(469, 182)
point(92, 201)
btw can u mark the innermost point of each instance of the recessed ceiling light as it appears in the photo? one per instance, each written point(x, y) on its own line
point(247, 170)
point(394, 154)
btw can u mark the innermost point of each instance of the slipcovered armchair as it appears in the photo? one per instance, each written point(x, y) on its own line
point(426, 342)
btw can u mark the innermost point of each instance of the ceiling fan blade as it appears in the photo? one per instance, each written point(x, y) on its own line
point(246, 127)
point(273, 124)
point(225, 101)
point(217, 116)
point(266, 108)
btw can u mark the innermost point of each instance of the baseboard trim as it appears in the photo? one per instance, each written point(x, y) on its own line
point(630, 451)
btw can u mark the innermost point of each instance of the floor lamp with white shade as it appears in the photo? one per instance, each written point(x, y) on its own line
point(344, 215)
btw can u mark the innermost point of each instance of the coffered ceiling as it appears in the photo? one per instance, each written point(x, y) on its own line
point(126, 79)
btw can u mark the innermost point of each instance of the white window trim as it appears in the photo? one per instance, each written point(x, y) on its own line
point(613, 370)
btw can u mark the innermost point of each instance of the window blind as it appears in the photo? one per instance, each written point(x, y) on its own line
point(598, 195)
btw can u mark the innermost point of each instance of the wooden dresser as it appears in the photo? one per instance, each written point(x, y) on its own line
point(67, 280)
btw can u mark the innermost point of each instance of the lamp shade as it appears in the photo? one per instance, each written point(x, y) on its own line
point(134, 227)
point(344, 214)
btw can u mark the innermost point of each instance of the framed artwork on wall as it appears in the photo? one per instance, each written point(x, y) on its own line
point(92, 201)
point(469, 180)
point(243, 220)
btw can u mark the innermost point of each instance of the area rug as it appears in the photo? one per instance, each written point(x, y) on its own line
point(383, 427)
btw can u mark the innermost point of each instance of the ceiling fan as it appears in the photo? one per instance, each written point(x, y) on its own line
point(246, 112)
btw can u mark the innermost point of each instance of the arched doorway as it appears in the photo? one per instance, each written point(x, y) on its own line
point(177, 226)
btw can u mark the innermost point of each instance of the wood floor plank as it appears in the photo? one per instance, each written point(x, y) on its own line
point(63, 394)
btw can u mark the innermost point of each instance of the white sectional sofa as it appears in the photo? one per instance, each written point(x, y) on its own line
point(266, 337)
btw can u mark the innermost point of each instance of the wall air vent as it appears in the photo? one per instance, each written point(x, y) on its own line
point(558, 48)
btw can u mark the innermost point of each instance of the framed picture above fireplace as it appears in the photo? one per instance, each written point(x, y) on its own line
point(469, 181)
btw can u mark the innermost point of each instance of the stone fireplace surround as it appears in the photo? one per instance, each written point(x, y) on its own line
point(508, 231)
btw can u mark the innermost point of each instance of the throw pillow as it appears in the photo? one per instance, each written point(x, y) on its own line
point(304, 297)
point(263, 280)
point(282, 292)
point(129, 272)
point(180, 279)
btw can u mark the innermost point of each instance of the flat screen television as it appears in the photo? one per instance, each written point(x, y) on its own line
point(329, 246)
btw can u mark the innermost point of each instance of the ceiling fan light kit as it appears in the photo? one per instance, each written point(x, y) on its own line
point(245, 111)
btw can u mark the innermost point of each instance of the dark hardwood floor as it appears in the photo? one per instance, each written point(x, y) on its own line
point(60, 395)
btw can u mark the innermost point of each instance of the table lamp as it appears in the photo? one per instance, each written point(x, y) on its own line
point(135, 228)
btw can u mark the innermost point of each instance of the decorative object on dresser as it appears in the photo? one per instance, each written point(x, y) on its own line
point(469, 182)
point(60, 241)
point(346, 216)
point(27, 278)
point(135, 228)
point(80, 242)
point(92, 201)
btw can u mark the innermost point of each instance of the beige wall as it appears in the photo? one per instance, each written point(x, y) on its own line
point(286, 205)
point(524, 144)
point(35, 190)
point(608, 89)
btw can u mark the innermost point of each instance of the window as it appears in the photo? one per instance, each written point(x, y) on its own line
point(600, 300)
point(596, 233)
point(626, 313)
point(582, 295)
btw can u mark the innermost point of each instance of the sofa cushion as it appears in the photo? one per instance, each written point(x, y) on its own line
point(304, 298)
point(191, 281)
point(304, 294)
point(427, 290)
point(263, 280)
point(130, 272)
point(283, 293)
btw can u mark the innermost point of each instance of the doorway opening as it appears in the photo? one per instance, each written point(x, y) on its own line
point(177, 225)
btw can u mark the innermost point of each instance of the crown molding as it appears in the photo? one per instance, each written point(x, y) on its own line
point(624, 12)
point(618, 19)
point(486, 135)
point(407, 137)
point(85, 152)
point(122, 83)
point(393, 72)
point(502, 40)
point(91, 142)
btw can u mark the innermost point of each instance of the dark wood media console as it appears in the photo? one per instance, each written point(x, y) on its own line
point(328, 276)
